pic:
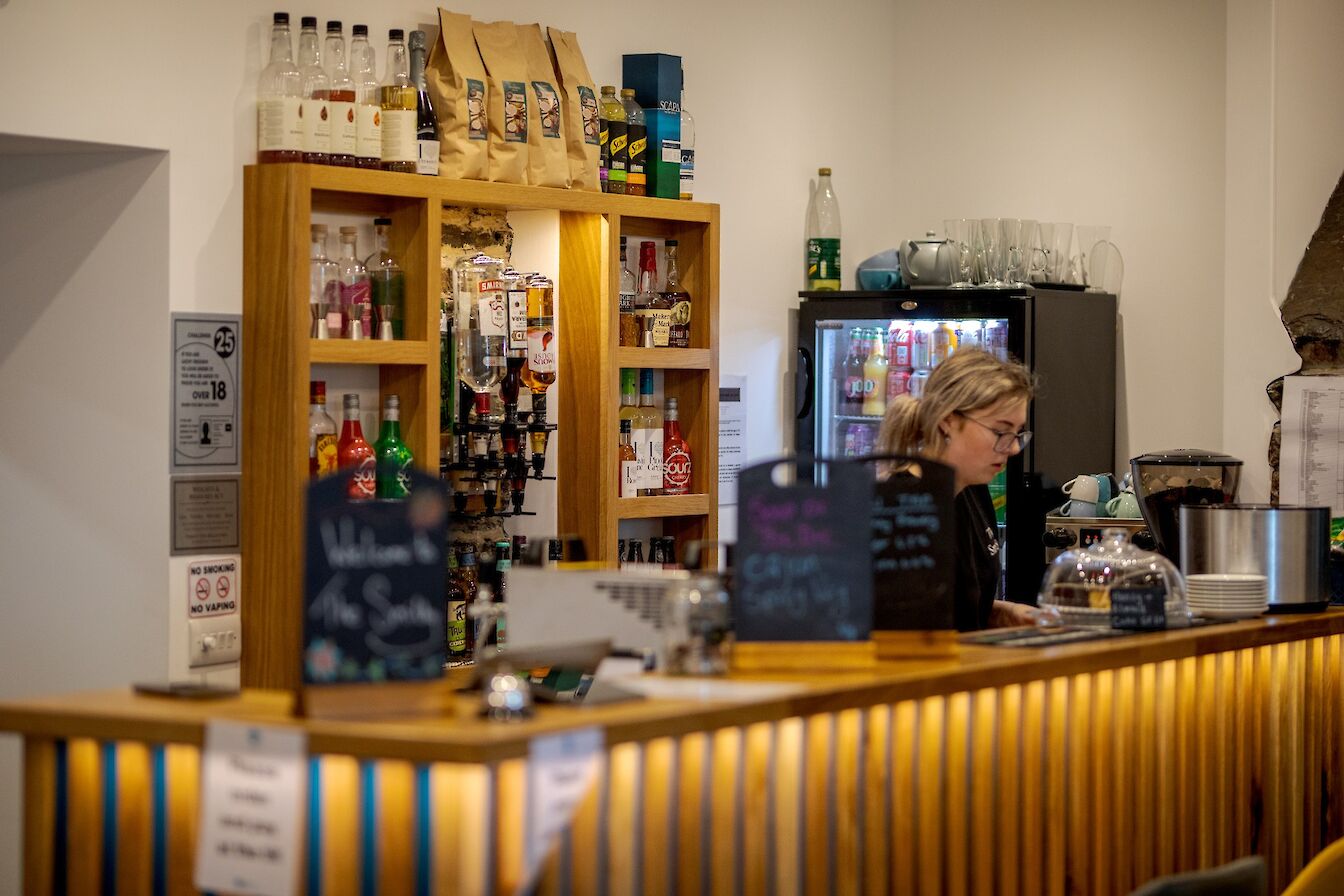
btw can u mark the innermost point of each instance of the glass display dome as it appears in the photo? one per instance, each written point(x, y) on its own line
point(1078, 585)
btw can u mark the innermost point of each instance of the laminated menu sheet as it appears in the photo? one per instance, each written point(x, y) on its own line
point(1311, 458)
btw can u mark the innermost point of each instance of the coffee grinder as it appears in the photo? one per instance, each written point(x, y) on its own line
point(1166, 480)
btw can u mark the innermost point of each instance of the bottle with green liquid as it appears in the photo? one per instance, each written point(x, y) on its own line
point(387, 283)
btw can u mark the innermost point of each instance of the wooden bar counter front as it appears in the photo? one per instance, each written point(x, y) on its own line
point(1081, 769)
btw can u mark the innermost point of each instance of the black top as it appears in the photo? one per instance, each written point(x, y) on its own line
point(977, 579)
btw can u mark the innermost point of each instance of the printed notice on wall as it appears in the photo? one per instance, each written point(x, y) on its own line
point(732, 434)
point(205, 514)
point(560, 770)
point(1311, 459)
point(206, 430)
point(252, 792)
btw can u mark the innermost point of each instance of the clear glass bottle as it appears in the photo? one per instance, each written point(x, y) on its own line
point(324, 288)
point(676, 298)
point(542, 348)
point(322, 442)
point(397, 99)
point(615, 148)
point(823, 236)
point(280, 100)
point(356, 296)
point(480, 323)
point(368, 113)
point(654, 319)
point(687, 151)
point(630, 331)
point(387, 283)
point(426, 122)
point(316, 95)
point(341, 96)
point(648, 429)
point(637, 145)
point(627, 464)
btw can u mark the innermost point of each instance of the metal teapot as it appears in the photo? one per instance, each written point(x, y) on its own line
point(927, 262)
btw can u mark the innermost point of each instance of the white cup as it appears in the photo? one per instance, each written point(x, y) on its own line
point(1084, 489)
point(1074, 507)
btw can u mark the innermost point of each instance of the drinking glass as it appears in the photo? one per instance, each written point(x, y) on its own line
point(1088, 236)
point(962, 235)
point(1019, 237)
point(1057, 252)
point(991, 251)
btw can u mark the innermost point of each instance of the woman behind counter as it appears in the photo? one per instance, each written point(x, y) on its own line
point(970, 417)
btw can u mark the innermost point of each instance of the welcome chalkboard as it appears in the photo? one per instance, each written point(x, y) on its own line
point(374, 607)
point(913, 552)
point(802, 563)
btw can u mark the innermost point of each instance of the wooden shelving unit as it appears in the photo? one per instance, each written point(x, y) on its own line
point(278, 206)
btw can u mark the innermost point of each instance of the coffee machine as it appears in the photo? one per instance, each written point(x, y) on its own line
point(1164, 481)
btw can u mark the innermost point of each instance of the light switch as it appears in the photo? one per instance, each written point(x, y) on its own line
point(213, 640)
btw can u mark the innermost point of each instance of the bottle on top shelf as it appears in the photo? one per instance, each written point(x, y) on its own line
point(648, 435)
point(676, 454)
point(615, 148)
point(391, 456)
point(823, 236)
point(324, 287)
point(341, 96)
point(676, 299)
point(322, 441)
point(637, 145)
point(397, 99)
point(280, 100)
point(426, 122)
point(314, 110)
point(387, 284)
point(354, 454)
point(368, 111)
point(687, 151)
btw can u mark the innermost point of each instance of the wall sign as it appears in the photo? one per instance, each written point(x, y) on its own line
point(803, 562)
point(205, 514)
point(206, 430)
point(374, 603)
point(212, 588)
point(913, 527)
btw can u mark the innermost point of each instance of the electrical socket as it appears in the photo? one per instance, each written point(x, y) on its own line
point(214, 639)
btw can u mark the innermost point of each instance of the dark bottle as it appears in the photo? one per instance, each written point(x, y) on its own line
point(457, 609)
point(555, 551)
point(469, 576)
point(676, 299)
point(426, 122)
point(635, 551)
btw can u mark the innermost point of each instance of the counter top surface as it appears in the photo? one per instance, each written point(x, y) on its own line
point(678, 706)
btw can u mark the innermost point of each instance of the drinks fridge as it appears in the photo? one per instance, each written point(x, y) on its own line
point(858, 350)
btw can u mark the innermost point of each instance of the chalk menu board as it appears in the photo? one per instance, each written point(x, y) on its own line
point(1141, 609)
point(913, 548)
point(374, 603)
point(802, 563)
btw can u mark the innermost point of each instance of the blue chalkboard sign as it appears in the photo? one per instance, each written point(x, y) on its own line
point(803, 568)
point(374, 606)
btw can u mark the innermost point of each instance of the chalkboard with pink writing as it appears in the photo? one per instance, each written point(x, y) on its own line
point(913, 557)
point(803, 568)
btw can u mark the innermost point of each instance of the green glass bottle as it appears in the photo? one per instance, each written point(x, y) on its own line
point(391, 456)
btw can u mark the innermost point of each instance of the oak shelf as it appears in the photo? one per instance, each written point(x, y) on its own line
point(658, 506)
point(666, 358)
point(372, 351)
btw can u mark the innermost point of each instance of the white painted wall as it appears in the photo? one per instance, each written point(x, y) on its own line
point(1129, 114)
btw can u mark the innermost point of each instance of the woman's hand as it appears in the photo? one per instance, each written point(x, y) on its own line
point(1007, 613)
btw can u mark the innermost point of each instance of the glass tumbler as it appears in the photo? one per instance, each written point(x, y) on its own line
point(962, 236)
point(991, 252)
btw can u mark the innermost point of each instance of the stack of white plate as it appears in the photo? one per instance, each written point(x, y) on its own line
point(1226, 595)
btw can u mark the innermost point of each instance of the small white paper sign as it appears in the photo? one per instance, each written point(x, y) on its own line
point(732, 434)
point(253, 789)
point(560, 769)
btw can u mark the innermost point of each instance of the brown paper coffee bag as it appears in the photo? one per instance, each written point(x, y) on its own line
point(507, 92)
point(547, 163)
point(456, 80)
point(579, 107)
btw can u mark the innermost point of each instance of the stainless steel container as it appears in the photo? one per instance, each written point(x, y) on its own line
point(1290, 546)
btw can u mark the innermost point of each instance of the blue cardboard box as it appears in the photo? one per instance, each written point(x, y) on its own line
point(655, 78)
point(664, 154)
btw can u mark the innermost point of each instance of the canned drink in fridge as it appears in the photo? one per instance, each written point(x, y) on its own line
point(921, 348)
point(918, 379)
point(849, 440)
point(969, 334)
point(898, 355)
point(944, 343)
point(898, 382)
point(995, 339)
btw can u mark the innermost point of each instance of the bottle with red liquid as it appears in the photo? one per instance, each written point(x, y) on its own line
point(355, 454)
point(676, 454)
point(341, 96)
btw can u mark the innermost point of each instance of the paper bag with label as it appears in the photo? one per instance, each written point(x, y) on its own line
point(578, 105)
point(506, 96)
point(456, 80)
point(547, 163)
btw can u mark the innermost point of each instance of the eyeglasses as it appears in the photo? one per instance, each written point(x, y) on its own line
point(1003, 441)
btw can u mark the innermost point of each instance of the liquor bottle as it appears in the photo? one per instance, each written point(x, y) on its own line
point(677, 299)
point(321, 432)
point(368, 114)
point(316, 94)
point(426, 122)
point(634, 551)
point(637, 145)
point(355, 455)
point(627, 465)
point(687, 151)
point(397, 98)
point(676, 454)
point(503, 563)
point(875, 377)
point(648, 435)
point(280, 100)
point(630, 333)
point(392, 457)
point(480, 320)
point(324, 287)
point(655, 320)
point(341, 97)
point(629, 395)
point(457, 609)
point(356, 296)
point(851, 401)
point(617, 142)
point(387, 283)
point(823, 236)
point(542, 352)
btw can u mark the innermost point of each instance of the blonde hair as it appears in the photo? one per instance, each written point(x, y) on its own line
point(971, 380)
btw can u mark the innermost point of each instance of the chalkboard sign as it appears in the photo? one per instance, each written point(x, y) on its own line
point(913, 548)
point(374, 604)
point(1139, 609)
point(802, 563)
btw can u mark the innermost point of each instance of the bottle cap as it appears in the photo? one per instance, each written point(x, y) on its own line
point(391, 405)
point(671, 244)
point(824, 172)
point(280, 18)
point(396, 34)
point(349, 231)
point(608, 90)
point(417, 41)
point(318, 229)
point(625, 427)
point(333, 26)
point(360, 30)
point(308, 21)
point(317, 389)
point(383, 222)
point(351, 401)
point(628, 91)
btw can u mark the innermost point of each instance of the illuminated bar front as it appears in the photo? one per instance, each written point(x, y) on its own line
point(1081, 769)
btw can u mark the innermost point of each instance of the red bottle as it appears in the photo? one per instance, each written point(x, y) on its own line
point(676, 454)
point(353, 453)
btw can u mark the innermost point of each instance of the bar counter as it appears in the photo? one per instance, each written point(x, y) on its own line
point(1086, 768)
